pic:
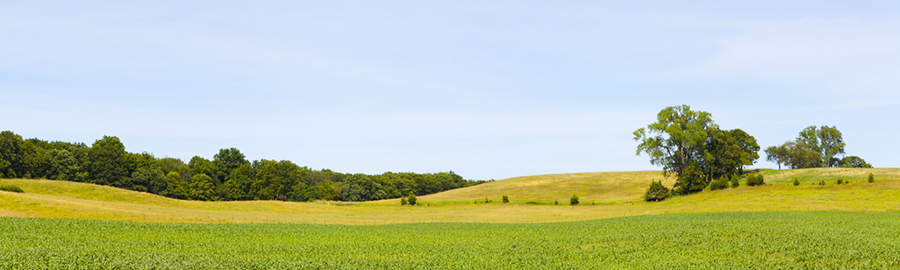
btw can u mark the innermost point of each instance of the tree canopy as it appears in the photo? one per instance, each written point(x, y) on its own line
point(228, 176)
point(814, 147)
point(689, 144)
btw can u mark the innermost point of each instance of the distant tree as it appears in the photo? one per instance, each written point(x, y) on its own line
point(110, 164)
point(677, 142)
point(727, 151)
point(505, 199)
point(656, 192)
point(63, 165)
point(796, 181)
point(201, 188)
point(573, 200)
point(411, 199)
point(175, 186)
point(826, 141)
point(778, 154)
point(150, 180)
point(10, 154)
point(871, 177)
point(227, 160)
point(854, 162)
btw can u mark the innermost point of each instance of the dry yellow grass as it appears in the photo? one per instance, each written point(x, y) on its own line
point(614, 193)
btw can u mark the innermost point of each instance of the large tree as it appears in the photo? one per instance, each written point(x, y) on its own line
point(826, 141)
point(109, 163)
point(690, 145)
point(676, 140)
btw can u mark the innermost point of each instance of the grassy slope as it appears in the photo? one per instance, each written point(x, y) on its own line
point(615, 193)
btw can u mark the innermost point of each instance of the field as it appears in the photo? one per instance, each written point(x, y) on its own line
point(64, 225)
point(746, 240)
point(603, 195)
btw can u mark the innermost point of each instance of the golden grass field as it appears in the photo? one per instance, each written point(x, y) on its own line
point(602, 195)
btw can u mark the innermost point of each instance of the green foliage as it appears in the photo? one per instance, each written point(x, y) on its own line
point(656, 192)
point(822, 183)
point(735, 181)
point(721, 183)
point(755, 179)
point(796, 181)
point(412, 199)
point(505, 199)
point(692, 146)
point(555, 202)
point(676, 140)
point(573, 200)
point(854, 162)
point(11, 188)
point(840, 181)
point(403, 201)
point(110, 164)
point(201, 188)
point(871, 177)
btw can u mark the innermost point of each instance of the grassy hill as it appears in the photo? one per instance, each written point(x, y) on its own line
point(603, 195)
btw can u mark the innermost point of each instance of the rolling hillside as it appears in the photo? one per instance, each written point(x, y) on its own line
point(604, 194)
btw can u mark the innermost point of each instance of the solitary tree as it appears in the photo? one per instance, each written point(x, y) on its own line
point(677, 142)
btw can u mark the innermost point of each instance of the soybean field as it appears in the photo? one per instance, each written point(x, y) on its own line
point(747, 240)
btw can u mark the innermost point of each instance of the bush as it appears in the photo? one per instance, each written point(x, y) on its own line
point(721, 183)
point(735, 181)
point(555, 202)
point(755, 180)
point(656, 192)
point(505, 199)
point(796, 181)
point(840, 181)
point(822, 183)
point(573, 200)
point(403, 201)
point(871, 177)
point(11, 188)
point(411, 199)
point(486, 200)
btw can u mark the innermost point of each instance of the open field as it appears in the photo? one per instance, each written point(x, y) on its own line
point(613, 194)
point(745, 240)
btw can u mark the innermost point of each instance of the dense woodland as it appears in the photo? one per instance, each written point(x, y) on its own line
point(228, 176)
point(690, 145)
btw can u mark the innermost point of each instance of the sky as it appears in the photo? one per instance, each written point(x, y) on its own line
point(487, 89)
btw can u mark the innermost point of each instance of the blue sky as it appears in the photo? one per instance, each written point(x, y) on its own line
point(489, 90)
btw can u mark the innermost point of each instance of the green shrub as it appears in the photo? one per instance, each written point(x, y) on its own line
point(486, 200)
point(822, 183)
point(796, 181)
point(840, 181)
point(871, 177)
point(656, 192)
point(505, 199)
point(411, 199)
point(755, 180)
point(735, 181)
point(12, 188)
point(573, 200)
point(721, 183)
point(555, 202)
point(403, 201)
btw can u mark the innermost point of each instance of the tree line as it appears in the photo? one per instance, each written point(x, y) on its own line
point(228, 176)
point(815, 147)
point(690, 145)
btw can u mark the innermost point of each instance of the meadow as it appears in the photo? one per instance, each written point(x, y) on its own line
point(745, 240)
point(602, 195)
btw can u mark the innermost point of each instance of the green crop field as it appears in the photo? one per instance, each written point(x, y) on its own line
point(746, 240)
